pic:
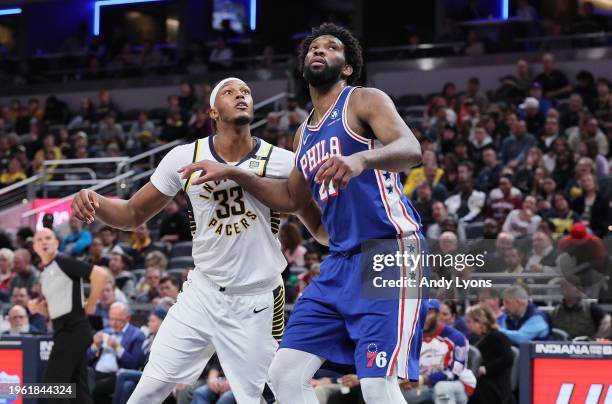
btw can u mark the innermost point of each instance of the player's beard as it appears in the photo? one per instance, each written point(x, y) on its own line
point(322, 78)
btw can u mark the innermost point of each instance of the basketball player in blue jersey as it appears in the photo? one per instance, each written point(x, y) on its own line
point(348, 155)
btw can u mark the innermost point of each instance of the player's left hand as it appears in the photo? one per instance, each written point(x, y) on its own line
point(211, 171)
point(339, 170)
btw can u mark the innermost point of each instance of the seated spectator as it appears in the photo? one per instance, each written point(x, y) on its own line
point(292, 113)
point(15, 173)
point(561, 216)
point(574, 113)
point(174, 126)
point(187, 98)
point(576, 316)
point(602, 167)
point(549, 135)
point(22, 297)
point(143, 123)
point(468, 203)
point(592, 206)
point(77, 241)
point(217, 388)
point(525, 322)
point(200, 125)
point(587, 21)
point(534, 118)
point(147, 287)
point(24, 274)
point(503, 200)
point(443, 364)
point(168, 287)
point(480, 141)
point(6, 272)
point(488, 177)
point(514, 147)
point(18, 320)
point(291, 244)
point(536, 92)
point(417, 175)
point(492, 299)
point(105, 106)
point(305, 278)
point(475, 46)
point(109, 131)
point(543, 255)
point(116, 347)
point(127, 379)
point(221, 56)
point(96, 255)
point(588, 129)
point(174, 225)
point(601, 107)
point(474, 92)
point(143, 143)
point(109, 239)
point(439, 214)
point(513, 259)
point(110, 294)
point(422, 201)
point(48, 147)
point(142, 244)
point(585, 86)
point(523, 222)
point(553, 81)
point(120, 265)
point(85, 115)
point(493, 382)
point(156, 259)
point(449, 315)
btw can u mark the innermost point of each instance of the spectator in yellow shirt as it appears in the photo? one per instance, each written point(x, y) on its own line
point(418, 175)
point(14, 174)
point(48, 148)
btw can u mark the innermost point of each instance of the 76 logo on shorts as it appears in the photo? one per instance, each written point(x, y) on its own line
point(375, 357)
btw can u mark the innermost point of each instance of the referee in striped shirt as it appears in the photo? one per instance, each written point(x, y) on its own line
point(63, 301)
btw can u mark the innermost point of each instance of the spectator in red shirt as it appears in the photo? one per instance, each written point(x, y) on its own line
point(504, 199)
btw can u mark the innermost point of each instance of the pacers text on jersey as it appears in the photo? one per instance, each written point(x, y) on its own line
point(231, 216)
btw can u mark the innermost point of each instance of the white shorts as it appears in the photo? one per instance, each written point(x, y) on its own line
point(243, 330)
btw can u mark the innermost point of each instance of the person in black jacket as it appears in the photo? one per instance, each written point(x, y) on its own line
point(592, 206)
point(493, 383)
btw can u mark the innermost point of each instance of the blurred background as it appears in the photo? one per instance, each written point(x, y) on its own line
point(510, 100)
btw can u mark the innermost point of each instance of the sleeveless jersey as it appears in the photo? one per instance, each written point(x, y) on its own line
point(235, 237)
point(372, 205)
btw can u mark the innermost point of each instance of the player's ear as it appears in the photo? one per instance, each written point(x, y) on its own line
point(214, 114)
point(347, 71)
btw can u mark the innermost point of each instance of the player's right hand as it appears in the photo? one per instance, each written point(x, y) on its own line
point(84, 205)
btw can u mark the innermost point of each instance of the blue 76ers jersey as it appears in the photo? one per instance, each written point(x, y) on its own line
point(372, 205)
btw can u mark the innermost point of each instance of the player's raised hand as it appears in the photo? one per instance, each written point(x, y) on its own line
point(339, 170)
point(84, 205)
point(210, 171)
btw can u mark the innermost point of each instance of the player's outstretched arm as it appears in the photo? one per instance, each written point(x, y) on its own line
point(120, 213)
point(400, 151)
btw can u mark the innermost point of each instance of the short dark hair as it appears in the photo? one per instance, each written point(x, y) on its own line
point(171, 279)
point(352, 48)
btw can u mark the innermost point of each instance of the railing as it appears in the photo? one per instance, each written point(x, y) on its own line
point(119, 180)
point(150, 154)
point(272, 100)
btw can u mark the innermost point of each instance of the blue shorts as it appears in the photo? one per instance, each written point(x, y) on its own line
point(336, 319)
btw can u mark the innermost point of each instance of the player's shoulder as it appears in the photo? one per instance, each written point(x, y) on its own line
point(275, 152)
point(369, 94)
point(186, 151)
point(279, 161)
point(365, 100)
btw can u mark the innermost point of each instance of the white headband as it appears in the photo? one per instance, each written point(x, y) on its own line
point(213, 93)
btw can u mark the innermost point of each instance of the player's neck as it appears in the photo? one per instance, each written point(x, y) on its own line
point(233, 143)
point(323, 98)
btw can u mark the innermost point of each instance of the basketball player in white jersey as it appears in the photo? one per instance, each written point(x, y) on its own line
point(232, 303)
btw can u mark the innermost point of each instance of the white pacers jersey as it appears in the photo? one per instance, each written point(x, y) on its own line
point(235, 237)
